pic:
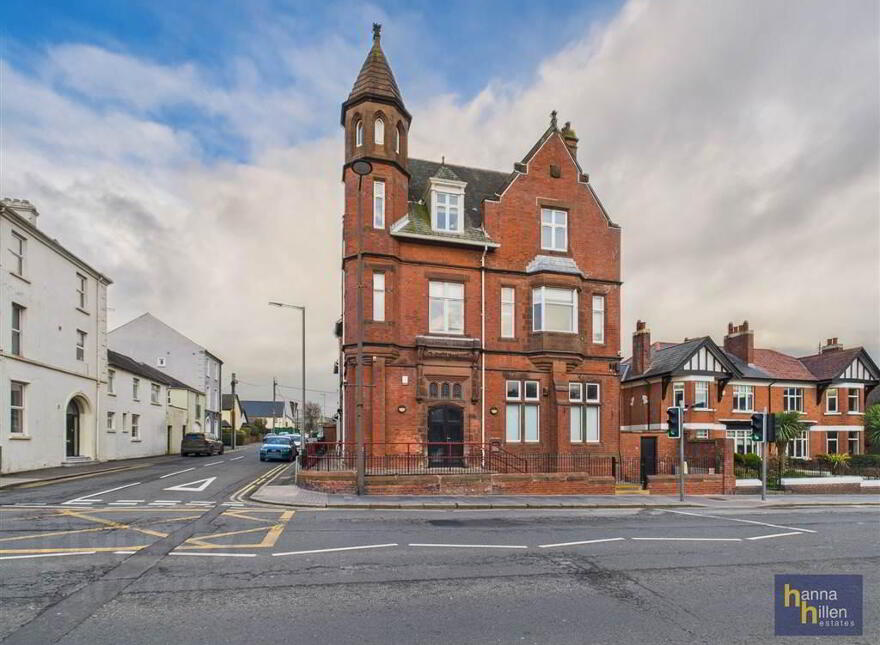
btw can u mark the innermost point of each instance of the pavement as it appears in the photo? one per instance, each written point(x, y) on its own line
point(295, 497)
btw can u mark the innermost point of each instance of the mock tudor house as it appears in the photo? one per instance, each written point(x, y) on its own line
point(492, 298)
point(721, 387)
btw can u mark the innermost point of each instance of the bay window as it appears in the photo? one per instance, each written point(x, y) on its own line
point(853, 399)
point(798, 447)
point(554, 309)
point(678, 395)
point(853, 441)
point(831, 443)
point(701, 394)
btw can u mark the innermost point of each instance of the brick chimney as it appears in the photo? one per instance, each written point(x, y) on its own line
point(831, 345)
point(641, 359)
point(740, 341)
point(570, 138)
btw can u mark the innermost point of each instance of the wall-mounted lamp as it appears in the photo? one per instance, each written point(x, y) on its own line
point(493, 411)
point(401, 408)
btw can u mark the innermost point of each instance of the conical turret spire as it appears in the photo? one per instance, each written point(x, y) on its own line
point(376, 79)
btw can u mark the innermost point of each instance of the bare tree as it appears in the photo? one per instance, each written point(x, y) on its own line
point(313, 416)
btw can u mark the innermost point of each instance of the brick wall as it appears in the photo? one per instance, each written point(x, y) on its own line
point(693, 484)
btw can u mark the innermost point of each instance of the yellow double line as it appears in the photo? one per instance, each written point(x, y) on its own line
point(259, 481)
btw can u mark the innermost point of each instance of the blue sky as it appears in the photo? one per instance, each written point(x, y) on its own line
point(432, 46)
point(192, 152)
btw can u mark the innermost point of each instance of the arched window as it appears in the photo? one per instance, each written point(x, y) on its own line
point(444, 391)
point(359, 133)
point(397, 140)
point(379, 131)
point(432, 390)
point(456, 391)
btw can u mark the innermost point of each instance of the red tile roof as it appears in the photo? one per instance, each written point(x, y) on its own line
point(782, 366)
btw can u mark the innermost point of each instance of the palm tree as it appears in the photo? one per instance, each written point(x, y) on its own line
point(788, 427)
point(872, 424)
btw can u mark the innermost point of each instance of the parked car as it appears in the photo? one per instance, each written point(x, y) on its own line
point(277, 447)
point(199, 443)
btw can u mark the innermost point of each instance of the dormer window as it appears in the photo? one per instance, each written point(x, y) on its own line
point(359, 134)
point(379, 132)
point(447, 212)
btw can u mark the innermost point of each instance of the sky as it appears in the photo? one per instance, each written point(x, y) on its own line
point(192, 152)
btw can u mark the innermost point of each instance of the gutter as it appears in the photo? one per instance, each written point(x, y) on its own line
point(483, 347)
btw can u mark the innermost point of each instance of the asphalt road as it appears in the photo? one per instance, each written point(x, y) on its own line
point(127, 569)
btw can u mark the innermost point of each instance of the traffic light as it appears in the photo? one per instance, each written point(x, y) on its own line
point(771, 428)
point(673, 421)
point(757, 424)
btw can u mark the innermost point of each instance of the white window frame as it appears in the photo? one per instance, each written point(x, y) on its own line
point(21, 409)
point(508, 312)
point(746, 394)
point(831, 394)
point(135, 388)
point(583, 410)
point(575, 392)
point(702, 433)
point(743, 443)
point(111, 382)
point(445, 204)
point(701, 395)
point(111, 421)
point(539, 309)
point(832, 437)
point(359, 133)
point(19, 254)
point(854, 394)
point(82, 290)
point(379, 203)
point(521, 409)
point(793, 396)
point(592, 399)
point(155, 393)
point(378, 296)
point(379, 131)
point(799, 447)
point(81, 337)
point(445, 302)
point(852, 443)
point(550, 222)
point(16, 332)
point(135, 426)
point(676, 388)
point(598, 319)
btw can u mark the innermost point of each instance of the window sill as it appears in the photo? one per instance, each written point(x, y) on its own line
point(133, 440)
point(742, 411)
point(19, 437)
point(554, 331)
point(111, 432)
point(833, 414)
point(446, 334)
point(856, 414)
point(702, 409)
point(83, 311)
point(113, 394)
point(557, 251)
point(20, 277)
point(156, 403)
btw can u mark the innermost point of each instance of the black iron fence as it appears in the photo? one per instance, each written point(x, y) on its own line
point(635, 470)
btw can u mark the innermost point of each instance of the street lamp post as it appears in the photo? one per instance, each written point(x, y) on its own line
point(303, 310)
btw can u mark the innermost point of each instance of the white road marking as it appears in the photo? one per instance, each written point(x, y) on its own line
point(76, 502)
point(736, 519)
point(237, 458)
point(177, 473)
point(213, 463)
point(129, 501)
point(29, 504)
point(233, 504)
point(125, 552)
point(167, 501)
point(110, 490)
point(45, 555)
point(686, 539)
point(547, 546)
point(193, 487)
point(217, 555)
point(473, 546)
point(774, 535)
point(122, 504)
point(341, 548)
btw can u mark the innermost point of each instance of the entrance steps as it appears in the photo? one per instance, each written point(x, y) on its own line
point(78, 461)
point(629, 489)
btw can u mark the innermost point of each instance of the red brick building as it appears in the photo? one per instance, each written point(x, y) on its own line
point(492, 298)
point(721, 387)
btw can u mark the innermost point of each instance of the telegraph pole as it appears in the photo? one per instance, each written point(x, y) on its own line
point(274, 417)
point(234, 383)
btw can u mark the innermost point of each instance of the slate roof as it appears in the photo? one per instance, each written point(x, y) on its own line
point(828, 365)
point(254, 409)
point(555, 264)
point(123, 362)
point(375, 77)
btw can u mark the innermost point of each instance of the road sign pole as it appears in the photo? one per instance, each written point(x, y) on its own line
point(765, 453)
point(680, 460)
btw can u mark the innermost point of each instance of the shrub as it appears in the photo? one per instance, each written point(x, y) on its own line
point(837, 462)
point(751, 460)
point(865, 461)
point(738, 459)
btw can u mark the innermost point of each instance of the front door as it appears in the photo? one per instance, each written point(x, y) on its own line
point(72, 434)
point(648, 461)
point(168, 449)
point(445, 436)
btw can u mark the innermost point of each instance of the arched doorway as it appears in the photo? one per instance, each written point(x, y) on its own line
point(445, 436)
point(72, 435)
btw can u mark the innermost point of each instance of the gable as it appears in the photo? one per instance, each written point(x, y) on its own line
point(705, 360)
point(857, 371)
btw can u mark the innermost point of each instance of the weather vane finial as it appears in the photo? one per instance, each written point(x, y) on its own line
point(553, 119)
point(376, 29)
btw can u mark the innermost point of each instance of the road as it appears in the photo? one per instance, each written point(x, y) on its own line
point(146, 564)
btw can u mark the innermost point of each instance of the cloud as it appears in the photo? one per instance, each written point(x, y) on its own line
point(736, 143)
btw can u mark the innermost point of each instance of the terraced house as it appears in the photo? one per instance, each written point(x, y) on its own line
point(721, 387)
point(492, 297)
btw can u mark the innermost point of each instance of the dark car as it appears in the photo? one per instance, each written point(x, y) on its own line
point(277, 447)
point(199, 443)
